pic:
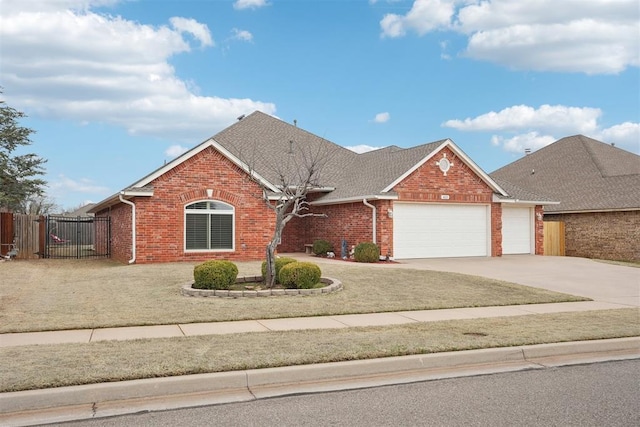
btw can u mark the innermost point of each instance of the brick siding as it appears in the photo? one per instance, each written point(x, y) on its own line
point(160, 218)
point(601, 235)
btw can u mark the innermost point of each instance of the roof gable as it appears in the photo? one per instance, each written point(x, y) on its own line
point(582, 173)
point(461, 155)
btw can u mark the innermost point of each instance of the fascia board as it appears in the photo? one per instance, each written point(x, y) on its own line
point(353, 200)
point(497, 199)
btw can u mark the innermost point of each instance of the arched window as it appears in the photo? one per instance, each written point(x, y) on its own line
point(209, 226)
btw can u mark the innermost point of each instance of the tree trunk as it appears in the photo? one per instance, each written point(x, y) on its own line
point(270, 278)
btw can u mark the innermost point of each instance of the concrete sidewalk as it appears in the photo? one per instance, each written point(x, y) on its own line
point(295, 323)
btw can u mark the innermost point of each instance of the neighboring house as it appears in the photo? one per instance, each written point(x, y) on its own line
point(426, 201)
point(598, 186)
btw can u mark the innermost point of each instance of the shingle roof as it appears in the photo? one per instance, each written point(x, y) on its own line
point(351, 175)
point(582, 173)
point(271, 147)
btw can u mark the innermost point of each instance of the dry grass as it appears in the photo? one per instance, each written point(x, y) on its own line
point(69, 294)
point(34, 367)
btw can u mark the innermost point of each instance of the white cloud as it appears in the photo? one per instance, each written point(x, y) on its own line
point(193, 27)
point(534, 128)
point(83, 66)
point(63, 184)
point(382, 117)
point(249, 4)
point(626, 134)
point(590, 36)
point(518, 143)
point(362, 148)
point(175, 151)
point(242, 35)
point(424, 16)
point(548, 118)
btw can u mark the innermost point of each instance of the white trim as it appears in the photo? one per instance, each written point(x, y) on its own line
point(232, 212)
point(137, 193)
point(357, 199)
point(449, 143)
point(133, 226)
point(497, 199)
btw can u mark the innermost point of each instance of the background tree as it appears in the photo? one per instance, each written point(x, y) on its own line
point(39, 205)
point(18, 173)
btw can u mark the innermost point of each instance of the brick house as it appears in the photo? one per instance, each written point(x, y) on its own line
point(598, 186)
point(427, 201)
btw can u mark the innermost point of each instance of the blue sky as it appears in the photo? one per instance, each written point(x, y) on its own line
point(115, 88)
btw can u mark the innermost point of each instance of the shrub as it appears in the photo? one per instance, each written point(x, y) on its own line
point(301, 275)
point(215, 275)
point(366, 252)
point(321, 247)
point(280, 262)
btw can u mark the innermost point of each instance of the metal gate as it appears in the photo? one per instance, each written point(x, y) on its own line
point(77, 237)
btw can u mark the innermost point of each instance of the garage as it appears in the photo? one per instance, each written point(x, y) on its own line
point(422, 230)
point(516, 230)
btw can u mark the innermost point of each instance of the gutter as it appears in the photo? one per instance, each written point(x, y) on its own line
point(374, 226)
point(133, 226)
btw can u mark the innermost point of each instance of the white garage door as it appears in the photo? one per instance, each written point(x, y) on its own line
point(516, 230)
point(437, 230)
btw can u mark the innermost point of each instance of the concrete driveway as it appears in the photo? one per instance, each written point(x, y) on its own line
point(577, 276)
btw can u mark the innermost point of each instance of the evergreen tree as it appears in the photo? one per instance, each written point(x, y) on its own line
point(19, 174)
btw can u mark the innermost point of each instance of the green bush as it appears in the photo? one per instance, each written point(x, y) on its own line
point(300, 275)
point(215, 275)
point(366, 252)
point(280, 262)
point(321, 247)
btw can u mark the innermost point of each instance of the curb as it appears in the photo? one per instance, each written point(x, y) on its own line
point(118, 398)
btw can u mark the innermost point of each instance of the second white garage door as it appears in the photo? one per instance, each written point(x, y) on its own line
point(440, 230)
point(516, 230)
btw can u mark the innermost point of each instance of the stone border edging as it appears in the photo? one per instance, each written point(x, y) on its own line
point(333, 285)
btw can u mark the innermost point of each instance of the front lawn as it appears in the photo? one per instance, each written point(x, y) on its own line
point(73, 294)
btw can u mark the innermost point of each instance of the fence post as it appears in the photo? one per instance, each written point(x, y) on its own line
point(42, 236)
point(6, 232)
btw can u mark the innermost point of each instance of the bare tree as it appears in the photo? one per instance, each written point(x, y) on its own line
point(38, 205)
point(296, 172)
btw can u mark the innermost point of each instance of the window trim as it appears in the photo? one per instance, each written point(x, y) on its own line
point(231, 212)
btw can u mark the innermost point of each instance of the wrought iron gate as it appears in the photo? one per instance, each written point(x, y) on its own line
point(77, 237)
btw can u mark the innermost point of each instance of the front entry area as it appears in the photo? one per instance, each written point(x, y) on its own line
point(424, 230)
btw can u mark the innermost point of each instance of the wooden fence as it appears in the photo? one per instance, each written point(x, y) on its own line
point(554, 238)
point(23, 231)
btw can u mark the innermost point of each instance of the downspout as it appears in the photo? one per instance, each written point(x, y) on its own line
point(373, 208)
point(133, 227)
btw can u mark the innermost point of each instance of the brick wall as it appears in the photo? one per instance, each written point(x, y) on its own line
point(601, 235)
point(539, 229)
point(160, 218)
